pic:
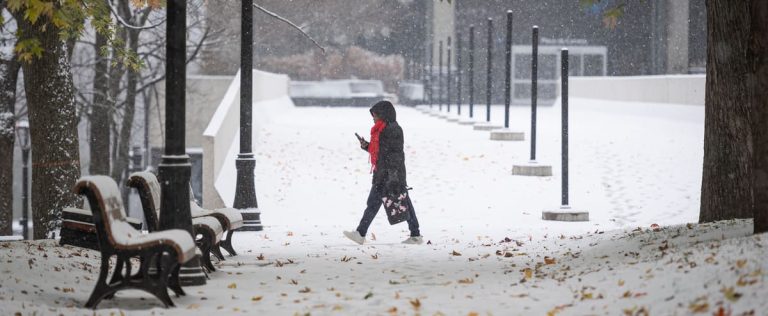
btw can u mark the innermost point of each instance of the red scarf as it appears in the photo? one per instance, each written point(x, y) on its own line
point(373, 146)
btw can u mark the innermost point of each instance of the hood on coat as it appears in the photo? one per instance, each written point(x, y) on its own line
point(385, 110)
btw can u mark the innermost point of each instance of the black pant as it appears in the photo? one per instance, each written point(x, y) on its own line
point(374, 203)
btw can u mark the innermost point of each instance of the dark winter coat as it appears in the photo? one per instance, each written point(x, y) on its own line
point(390, 168)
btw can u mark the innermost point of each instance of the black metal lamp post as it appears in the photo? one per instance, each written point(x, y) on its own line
point(508, 68)
point(471, 71)
point(22, 134)
point(534, 86)
point(245, 190)
point(458, 74)
point(440, 76)
point(449, 78)
point(431, 73)
point(174, 169)
point(564, 118)
point(489, 72)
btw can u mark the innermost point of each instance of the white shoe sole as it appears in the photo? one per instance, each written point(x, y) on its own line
point(351, 236)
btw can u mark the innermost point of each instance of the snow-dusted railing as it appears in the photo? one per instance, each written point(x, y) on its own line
point(678, 89)
point(221, 137)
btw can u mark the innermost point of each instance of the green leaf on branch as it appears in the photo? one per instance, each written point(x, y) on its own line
point(28, 49)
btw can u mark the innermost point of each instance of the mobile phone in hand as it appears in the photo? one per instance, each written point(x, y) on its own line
point(359, 138)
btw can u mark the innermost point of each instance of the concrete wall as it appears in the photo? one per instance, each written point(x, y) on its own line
point(441, 26)
point(679, 89)
point(203, 96)
point(677, 36)
point(221, 138)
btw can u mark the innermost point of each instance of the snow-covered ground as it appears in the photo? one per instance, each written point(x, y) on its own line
point(632, 165)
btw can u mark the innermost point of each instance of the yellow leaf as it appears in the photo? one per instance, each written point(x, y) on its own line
point(621, 282)
point(232, 286)
point(700, 305)
point(466, 281)
point(256, 298)
point(741, 263)
point(528, 273)
point(731, 294)
point(193, 306)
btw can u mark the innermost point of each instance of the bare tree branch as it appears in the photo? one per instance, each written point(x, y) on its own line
point(129, 25)
point(274, 15)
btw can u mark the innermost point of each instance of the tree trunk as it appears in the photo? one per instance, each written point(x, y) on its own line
point(116, 72)
point(53, 126)
point(124, 142)
point(9, 73)
point(99, 114)
point(726, 190)
point(758, 85)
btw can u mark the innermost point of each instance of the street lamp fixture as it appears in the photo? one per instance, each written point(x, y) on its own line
point(22, 135)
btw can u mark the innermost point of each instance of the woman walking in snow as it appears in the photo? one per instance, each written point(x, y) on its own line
point(388, 167)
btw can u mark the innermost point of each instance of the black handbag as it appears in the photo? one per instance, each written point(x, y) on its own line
point(396, 207)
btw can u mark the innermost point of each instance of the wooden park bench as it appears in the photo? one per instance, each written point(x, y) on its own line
point(116, 237)
point(230, 218)
point(208, 227)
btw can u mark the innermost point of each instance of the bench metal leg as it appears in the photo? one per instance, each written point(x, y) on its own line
point(227, 244)
point(205, 244)
point(101, 289)
point(216, 250)
point(157, 284)
point(160, 291)
point(173, 282)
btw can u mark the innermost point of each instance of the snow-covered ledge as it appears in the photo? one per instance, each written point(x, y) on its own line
point(221, 139)
point(678, 89)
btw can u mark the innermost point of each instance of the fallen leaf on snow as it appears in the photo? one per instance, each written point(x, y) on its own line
point(731, 294)
point(466, 281)
point(723, 312)
point(415, 303)
point(454, 253)
point(256, 298)
point(232, 286)
point(527, 274)
point(548, 260)
point(700, 305)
